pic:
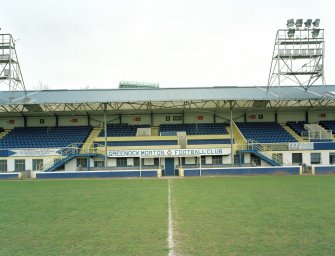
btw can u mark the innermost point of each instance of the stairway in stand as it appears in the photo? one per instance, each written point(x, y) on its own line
point(293, 133)
point(86, 146)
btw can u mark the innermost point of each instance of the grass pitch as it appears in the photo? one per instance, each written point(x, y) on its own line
point(260, 215)
point(83, 217)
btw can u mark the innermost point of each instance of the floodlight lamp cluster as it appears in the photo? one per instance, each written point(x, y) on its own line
point(297, 24)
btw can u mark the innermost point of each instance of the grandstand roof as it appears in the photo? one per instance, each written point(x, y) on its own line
point(142, 99)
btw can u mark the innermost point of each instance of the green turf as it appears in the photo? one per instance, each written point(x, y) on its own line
point(272, 215)
point(259, 215)
point(83, 217)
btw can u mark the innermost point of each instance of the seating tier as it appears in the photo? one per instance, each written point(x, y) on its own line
point(265, 132)
point(45, 137)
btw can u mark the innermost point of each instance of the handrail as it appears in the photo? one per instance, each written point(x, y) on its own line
point(75, 148)
point(266, 148)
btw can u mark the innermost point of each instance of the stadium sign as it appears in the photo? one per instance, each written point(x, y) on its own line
point(34, 152)
point(169, 152)
point(300, 146)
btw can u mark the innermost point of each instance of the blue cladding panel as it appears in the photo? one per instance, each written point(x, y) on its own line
point(208, 141)
point(242, 171)
point(324, 145)
point(4, 153)
point(62, 175)
point(149, 173)
point(192, 172)
point(142, 143)
point(9, 176)
point(325, 169)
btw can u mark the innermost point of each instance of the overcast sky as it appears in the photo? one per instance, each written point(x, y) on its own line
point(78, 43)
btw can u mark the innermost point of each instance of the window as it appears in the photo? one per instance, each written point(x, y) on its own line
point(216, 160)
point(99, 163)
point(3, 165)
point(136, 162)
point(20, 165)
point(37, 164)
point(150, 162)
point(315, 158)
point(332, 158)
point(255, 160)
point(167, 118)
point(296, 158)
point(121, 162)
point(177, 118)
point(81, 162)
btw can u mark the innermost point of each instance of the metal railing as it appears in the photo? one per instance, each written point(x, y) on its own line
point(71, 149)
point(267, 150)
point(317, 135)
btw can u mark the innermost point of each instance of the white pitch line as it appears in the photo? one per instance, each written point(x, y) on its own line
point(170, 228)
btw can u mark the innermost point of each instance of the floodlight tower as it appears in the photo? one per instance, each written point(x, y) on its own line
point(298, 54)
point(10, 72)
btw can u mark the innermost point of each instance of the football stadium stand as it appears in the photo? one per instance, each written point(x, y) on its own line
point(121, 130)
point(63, 131)
point(330, 125)
point(265, 132)
point(45, 137)
point(195, 129)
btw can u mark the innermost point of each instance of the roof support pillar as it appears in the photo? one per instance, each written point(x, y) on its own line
point(105, 129)
point(151, 119)
point(231, 133)
point(88, 119)
point(24, 121)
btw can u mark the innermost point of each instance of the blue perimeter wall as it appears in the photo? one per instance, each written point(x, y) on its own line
point(96, 174)
point(325, 169)
point(9, 176)
point(243, 171)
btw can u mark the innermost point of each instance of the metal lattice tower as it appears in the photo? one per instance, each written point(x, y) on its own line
point(298, 55)
point(10, 73)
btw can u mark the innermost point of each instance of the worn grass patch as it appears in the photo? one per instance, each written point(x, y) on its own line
point(261, 215)
point(83, 217)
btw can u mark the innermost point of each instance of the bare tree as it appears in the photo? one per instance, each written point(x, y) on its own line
point(41, 86)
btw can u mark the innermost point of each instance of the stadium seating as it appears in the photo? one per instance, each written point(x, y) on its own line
point(195, 129)
point(121, 130)
point(265, 132)
point(45, 137)
point(329, 125)
point(298, 127)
